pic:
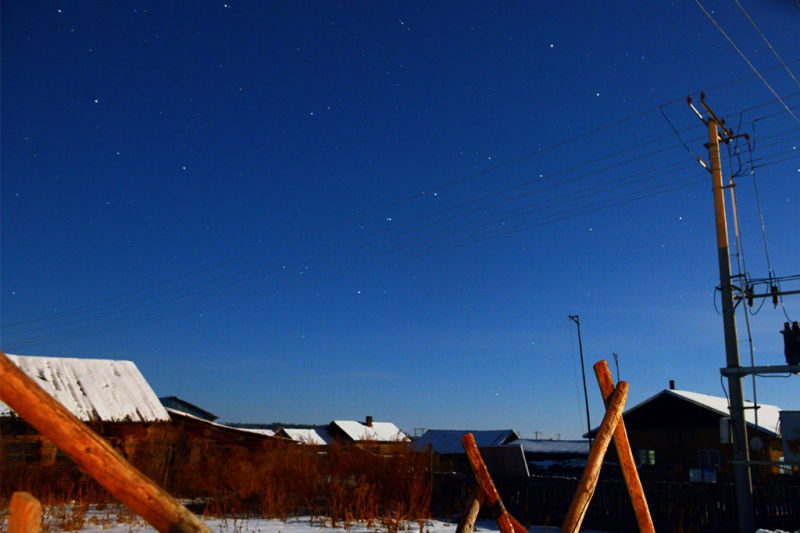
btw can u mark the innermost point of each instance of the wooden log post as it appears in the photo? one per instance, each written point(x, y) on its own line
point(507, 523)
point(625, 455)
point(26, 514)
point(467, 522)
point(93, 454)
point(580, 502)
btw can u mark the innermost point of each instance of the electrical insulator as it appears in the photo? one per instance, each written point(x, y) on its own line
point(773, 290)
point(791, 343)
point(748, 293)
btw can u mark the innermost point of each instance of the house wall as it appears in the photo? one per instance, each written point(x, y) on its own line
point(677, 430)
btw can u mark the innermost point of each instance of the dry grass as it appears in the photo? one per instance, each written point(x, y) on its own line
point(336, 484)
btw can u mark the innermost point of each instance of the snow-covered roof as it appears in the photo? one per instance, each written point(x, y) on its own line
point(267, 432)
point(318, 437)
point(378, 431)
point(576, 447)
point(94, 390)
point(768, 415)
point(448, 441)
point(179, 413)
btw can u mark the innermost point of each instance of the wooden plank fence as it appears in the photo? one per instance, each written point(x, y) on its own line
point(694, 507)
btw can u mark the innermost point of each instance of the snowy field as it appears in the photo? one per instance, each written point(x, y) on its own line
point(109, 521)
point(296, 525)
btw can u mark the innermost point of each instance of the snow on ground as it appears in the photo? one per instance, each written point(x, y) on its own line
point(109, 520)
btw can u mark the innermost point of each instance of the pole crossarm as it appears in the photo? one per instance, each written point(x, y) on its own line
point(769, 369)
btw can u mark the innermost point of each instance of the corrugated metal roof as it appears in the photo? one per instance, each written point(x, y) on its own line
point(94, 390)
point(448, 441)
point(378, 431)
point(576, 447)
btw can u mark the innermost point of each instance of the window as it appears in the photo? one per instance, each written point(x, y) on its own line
point(647, 457)
point(708, 459)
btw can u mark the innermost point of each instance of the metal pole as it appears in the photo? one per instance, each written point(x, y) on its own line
point(741, 455)
point(577, 321)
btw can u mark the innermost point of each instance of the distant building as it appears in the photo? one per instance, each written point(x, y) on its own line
point(448, 441)
point(379, 437)
point(315, 437)
point(367, 431)
point(553, 456)
point(177, 404)
point(448, 453)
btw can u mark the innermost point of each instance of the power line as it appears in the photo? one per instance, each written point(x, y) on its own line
point(755, 70)
point(408, 199)
point(764, 37)
point(227, 282)
point(234, 283)
point(464, 241)
point(275, 267)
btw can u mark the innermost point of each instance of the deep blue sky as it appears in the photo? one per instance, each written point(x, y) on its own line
point(310, 211)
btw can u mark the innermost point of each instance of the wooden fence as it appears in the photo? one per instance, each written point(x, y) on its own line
point(674, 506)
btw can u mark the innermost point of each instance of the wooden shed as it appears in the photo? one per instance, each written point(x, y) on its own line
point(111, 396)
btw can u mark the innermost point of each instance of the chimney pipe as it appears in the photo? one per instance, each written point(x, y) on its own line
point(368, 423)
point(672, 384)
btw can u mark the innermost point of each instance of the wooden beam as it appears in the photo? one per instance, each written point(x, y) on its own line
point(26, 514)
point(625, 455)
point(93, 454)
point(467, 522)
point(580, 502)
point(506, 522)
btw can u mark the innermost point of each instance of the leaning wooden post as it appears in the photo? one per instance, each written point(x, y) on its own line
point(467, 522)
point(93, 454)
point(507, 523)
point(625, 455)
point(580, 503)
point(26, 514)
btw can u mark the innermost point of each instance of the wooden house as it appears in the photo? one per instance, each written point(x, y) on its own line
point(115, 400)
point(381, 437)
point(686, 436)
point(111, 396)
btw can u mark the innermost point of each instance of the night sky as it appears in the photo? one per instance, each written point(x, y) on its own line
point(308, 211)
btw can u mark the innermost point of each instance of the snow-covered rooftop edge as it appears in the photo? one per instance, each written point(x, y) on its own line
point(94, 390)
point(378, 431)
point(319, 437)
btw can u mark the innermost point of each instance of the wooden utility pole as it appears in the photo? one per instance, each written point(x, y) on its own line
point(577, 320)
point(741, 454)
